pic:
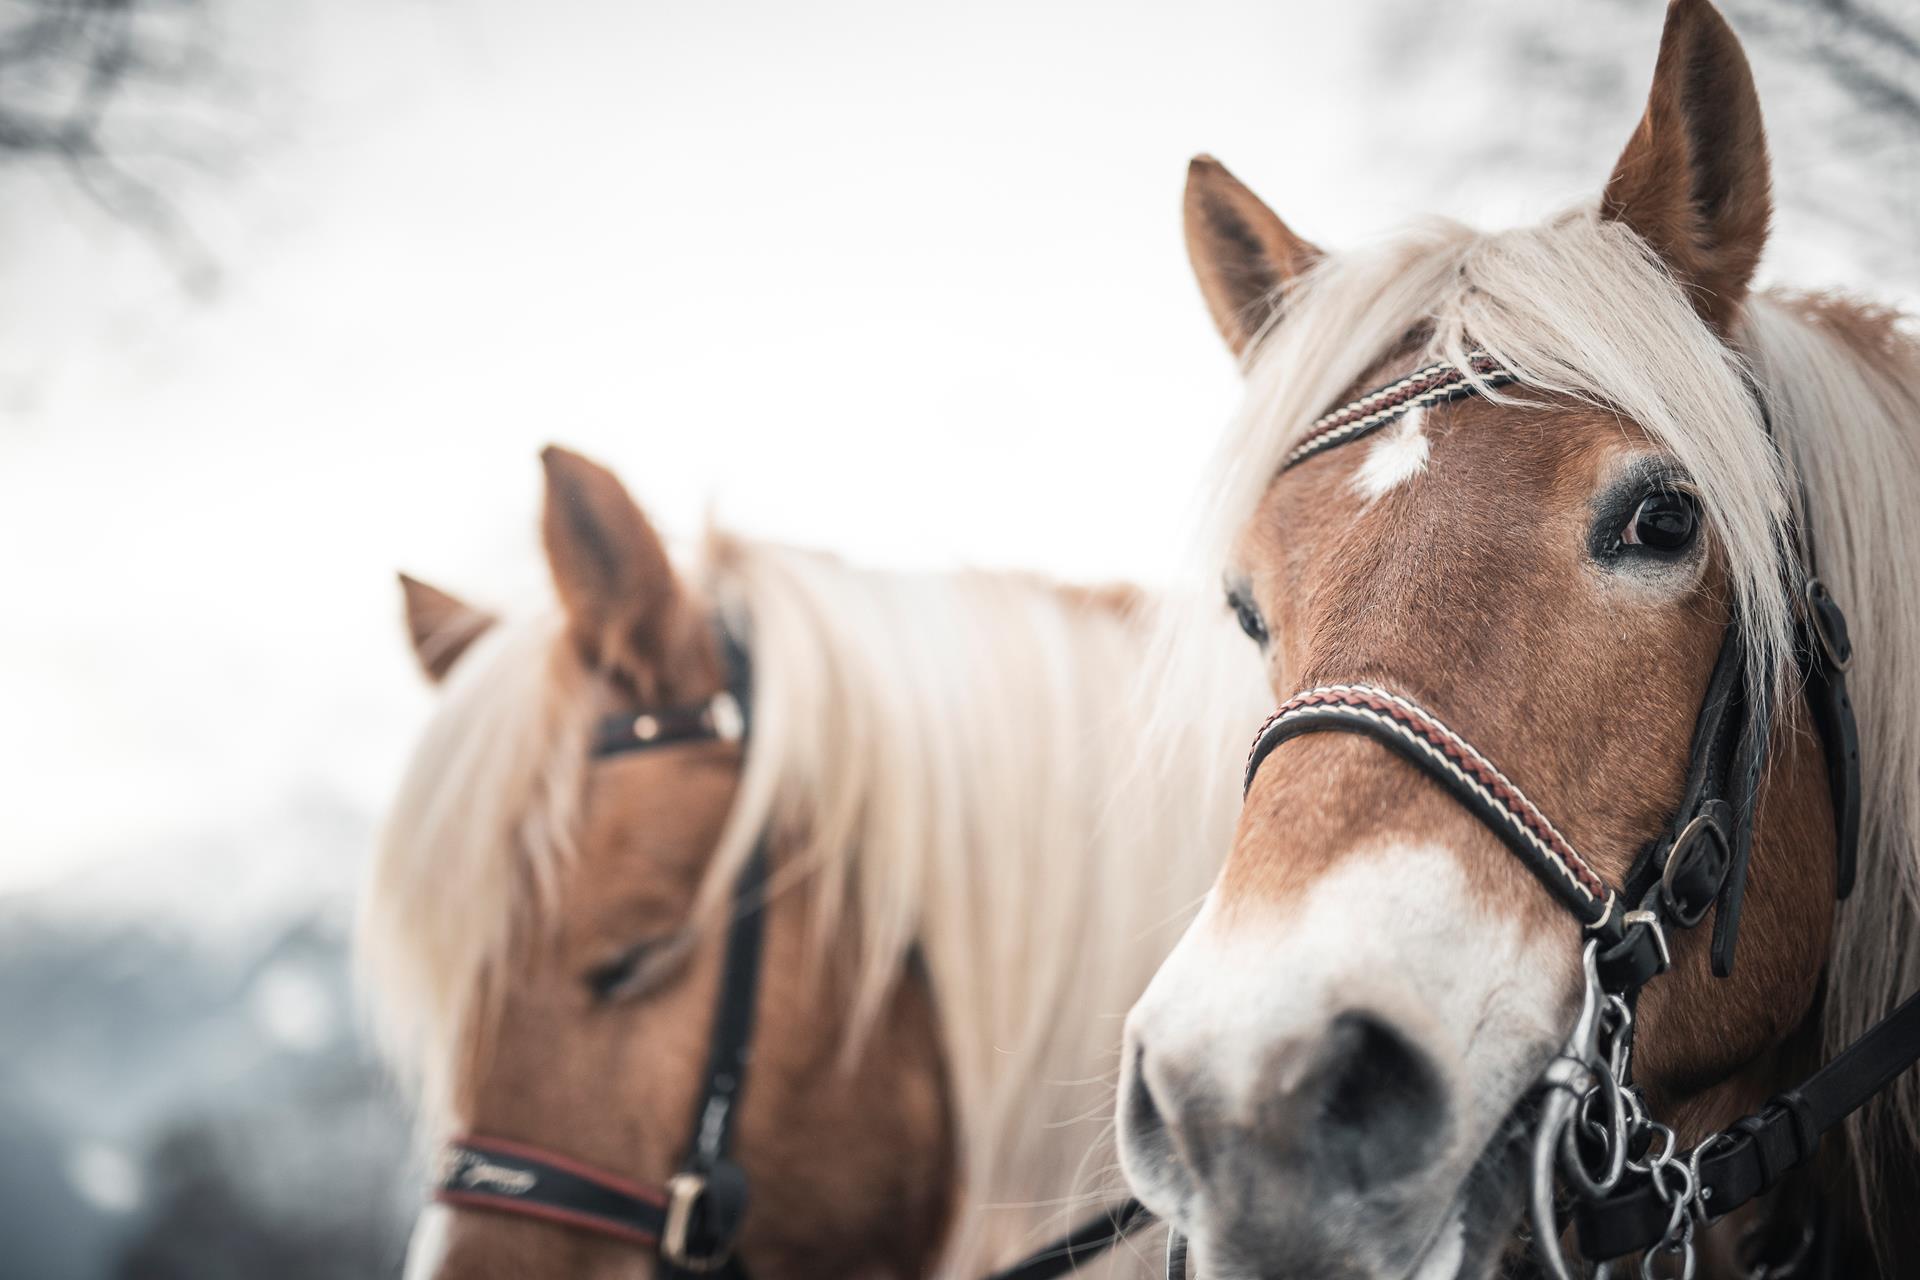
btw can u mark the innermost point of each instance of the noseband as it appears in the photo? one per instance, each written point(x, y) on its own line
point(1636, 1191)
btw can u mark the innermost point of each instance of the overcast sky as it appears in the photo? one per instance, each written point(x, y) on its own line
point(900, 281)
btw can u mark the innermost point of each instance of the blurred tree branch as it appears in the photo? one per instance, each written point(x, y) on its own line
point(1872, 50)
point(65, 64)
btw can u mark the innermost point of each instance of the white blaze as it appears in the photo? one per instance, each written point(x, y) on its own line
point(1397, 456)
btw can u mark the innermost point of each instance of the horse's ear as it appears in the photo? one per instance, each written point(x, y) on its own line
point(442, 626)
point(1242, 254)
point(609, 566)
point(1693, 178)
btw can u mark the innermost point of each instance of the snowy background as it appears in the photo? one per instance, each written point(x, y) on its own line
point(291, 293)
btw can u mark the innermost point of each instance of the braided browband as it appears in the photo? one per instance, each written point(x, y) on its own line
point(1434, 384)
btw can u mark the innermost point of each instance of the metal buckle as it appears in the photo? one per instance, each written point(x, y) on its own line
point(1829, 624)
point(684, 1191)
point(1707, 823)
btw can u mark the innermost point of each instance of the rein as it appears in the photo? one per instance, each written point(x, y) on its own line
point(1634, 1189)
point(692, 1223)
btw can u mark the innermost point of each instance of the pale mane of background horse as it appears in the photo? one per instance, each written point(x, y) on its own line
point(958, 756)
point(1582, 306)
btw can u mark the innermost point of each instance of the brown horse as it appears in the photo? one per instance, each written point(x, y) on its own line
point(962, 904)
point(1333, 1073)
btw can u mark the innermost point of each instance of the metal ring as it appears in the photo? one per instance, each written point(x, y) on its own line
point(1661, 1161)
point(1612, 1138)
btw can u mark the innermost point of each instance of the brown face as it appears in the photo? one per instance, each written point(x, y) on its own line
point(605, 1007)
point(1326, 1078)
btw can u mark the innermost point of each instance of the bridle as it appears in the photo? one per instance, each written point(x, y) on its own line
point(692, 1223)
point(1633, 1189)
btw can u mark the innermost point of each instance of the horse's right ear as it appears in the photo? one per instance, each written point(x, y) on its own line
point(442, 626)
point(1242, 254)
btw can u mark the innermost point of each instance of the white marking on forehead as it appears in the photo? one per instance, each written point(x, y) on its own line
point(1397, 456)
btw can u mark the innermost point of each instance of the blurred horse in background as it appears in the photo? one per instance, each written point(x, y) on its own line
point(969, 873)
point(1539, 511)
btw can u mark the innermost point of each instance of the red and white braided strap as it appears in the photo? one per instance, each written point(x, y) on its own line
point(1431, 385)
point(1423, 739)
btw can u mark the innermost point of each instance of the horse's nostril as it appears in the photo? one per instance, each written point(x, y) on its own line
point(1382, 1104)
point(1146, 1126)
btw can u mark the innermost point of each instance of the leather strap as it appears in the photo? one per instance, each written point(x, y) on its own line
point(1751, 1156)
point(713, 1187)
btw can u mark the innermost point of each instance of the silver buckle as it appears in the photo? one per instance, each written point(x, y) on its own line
point(683, 1193)
point(1705, 824)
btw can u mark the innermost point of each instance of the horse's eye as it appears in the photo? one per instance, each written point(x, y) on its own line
point(613, 978)
point(1664, 521)
point(1248, 617)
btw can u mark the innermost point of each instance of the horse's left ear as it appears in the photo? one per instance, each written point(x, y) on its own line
point(442, 626)
point(1693, 179)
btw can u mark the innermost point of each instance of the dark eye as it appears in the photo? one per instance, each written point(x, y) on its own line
point(1664, 521)
point(1248, 616)
point(618, 974)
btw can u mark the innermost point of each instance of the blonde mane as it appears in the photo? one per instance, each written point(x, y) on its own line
point(949, 761)
point(1581, 306)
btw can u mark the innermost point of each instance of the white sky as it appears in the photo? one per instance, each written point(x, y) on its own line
point(903, 282)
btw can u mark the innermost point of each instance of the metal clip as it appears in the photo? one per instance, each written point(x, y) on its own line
point(1566, 1081)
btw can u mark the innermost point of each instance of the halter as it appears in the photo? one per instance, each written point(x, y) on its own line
point(692, 1223)
point(1636, 1190)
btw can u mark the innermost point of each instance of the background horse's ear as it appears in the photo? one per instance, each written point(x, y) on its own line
point(1241, 252)
point(442, 626)
point(1693, 179)
point(609, 566)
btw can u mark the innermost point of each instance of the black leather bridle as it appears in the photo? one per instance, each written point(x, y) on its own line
point(692, 1223)
point(1639, 1198)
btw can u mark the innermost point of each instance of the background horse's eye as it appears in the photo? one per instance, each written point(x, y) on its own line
point(1249, 617)
point(1664, 521)
point(617, 975)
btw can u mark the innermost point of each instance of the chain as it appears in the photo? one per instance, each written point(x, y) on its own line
point(1592, 1121)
